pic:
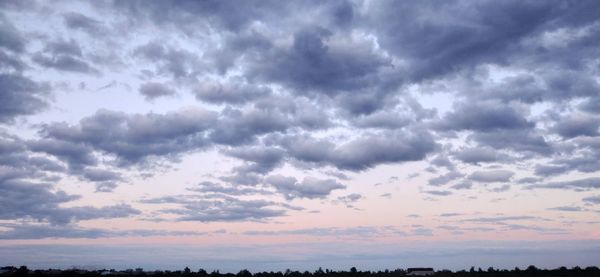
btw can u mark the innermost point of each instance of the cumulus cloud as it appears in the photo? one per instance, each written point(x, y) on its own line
point(491, 176)
point(348, 90)
point(10, 37)
point(231, 92)
point(484, 117)
point(308, 188)
point(153, 90)
point(132, 138)
point(578, 125)
point(20, 96)
point(25, 200)
point(364, 152)
point(78, 21)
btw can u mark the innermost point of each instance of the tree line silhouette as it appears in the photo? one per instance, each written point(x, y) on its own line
point(23, 271)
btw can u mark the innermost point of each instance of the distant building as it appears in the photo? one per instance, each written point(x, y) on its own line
point(420, 271)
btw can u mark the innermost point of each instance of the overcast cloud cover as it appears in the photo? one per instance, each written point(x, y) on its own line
point(249, 123)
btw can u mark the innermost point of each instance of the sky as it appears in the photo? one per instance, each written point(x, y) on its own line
point(299, 134)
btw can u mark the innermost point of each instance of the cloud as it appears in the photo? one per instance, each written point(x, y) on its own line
point(445, 179)
point(301, 87)
point(592, 199)
point(178, 63)
point(495, 219)
point(350, 232)
point(233, 190)
point(25, 200)
point(567, 209)
point(78, 21)
point(259, 159)
point(438, 192)
point(134, 138)
point(350, 199)
point(233, 92)
point(520, 141)
point(312, 65)
point(220, 208)
point(489, 32)
point(34, 232)
point(238, 127)
point(153, 90)
point(363, 152)
point(187, 15)
point(10, 37)
point(308, 188)
point(64, 63)
point(20, 96)
point(484, 117)
point(75, 154)
point(491, 176)
point(386, 195)
point(578, 184)
point(578, 125)
point(479, 155)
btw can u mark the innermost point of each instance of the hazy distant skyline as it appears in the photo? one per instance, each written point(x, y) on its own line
point(294, 128)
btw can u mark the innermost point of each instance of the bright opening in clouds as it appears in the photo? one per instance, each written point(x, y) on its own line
point(295, 134)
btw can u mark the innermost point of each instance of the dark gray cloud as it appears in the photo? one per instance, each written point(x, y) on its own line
point(74, 154)
point(178, 63)
point(364, 152)
point(105, 180)
point(308, 188)
point(153, 90)
point(479, 155)
point(332, 85)
point(70, 47)
point(578, 125)
point(314, 66)
point(191, 15)
point(259, 159)
point(59, 59)
point(520, 141)
point(34, 201)
point(20, 96)
point(78, 21)
point(65, 56)
point(484, 117)
point(491, 176)
point(242, 126)
point(230, 92)
point(10, 37)
point(10, 62)
point(460, 38)
point(549, 170)
point(133, 138)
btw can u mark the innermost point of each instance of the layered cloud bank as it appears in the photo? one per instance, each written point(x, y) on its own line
point(262, 120)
